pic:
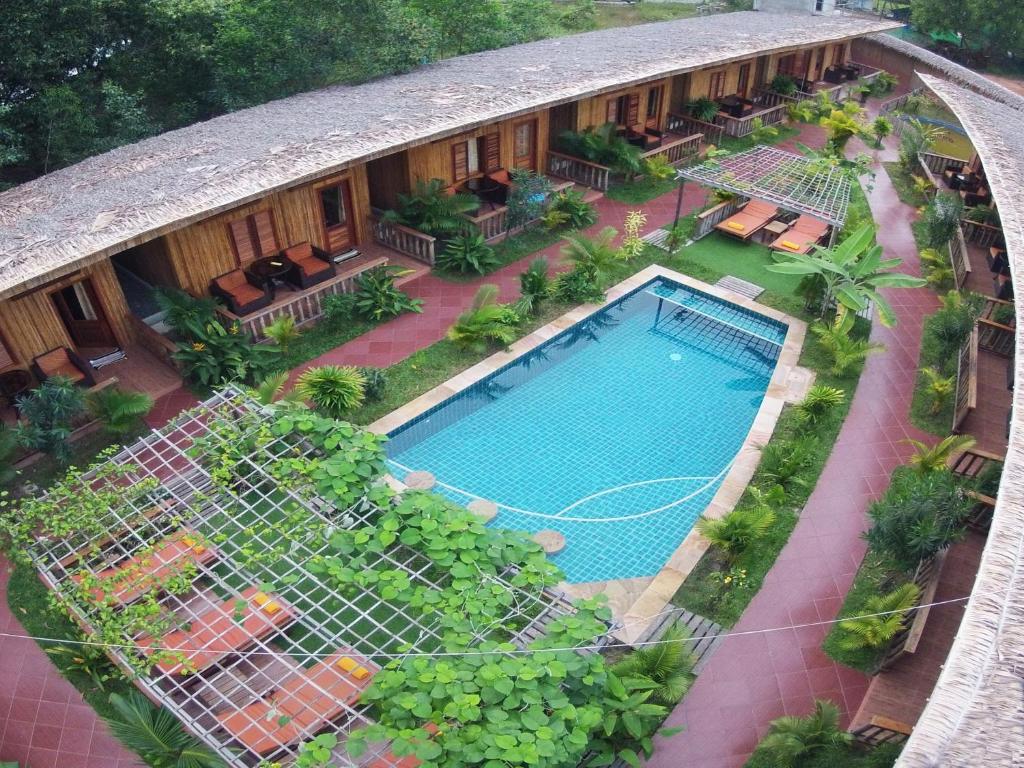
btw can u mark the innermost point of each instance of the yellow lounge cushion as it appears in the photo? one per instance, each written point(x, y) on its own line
point(263, 600)
point(361, 673)
point(346, 663)
point(790, 244)
point(736, 225)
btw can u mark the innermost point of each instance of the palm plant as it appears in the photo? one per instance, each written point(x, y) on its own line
point(157, 736)
point(118, 410)
point(883, 617)
point(376, 383)
point(668, 664)
point(735, 532)
point(703, 109)
point(534, 287)
point(841, 127)
point(853, 272)
point(271, 389)
point(333, 389)
point(881, 127)
point(485, 322)
point(761, 133)
point(937, 388)
point(845, 351)
point(782, 461)
point(596, 251)
point(934, 458)
point(819, 401)
point(467, 253)
point(282, 332)
point(791, 739)
point(429, 208)
point(186, 315)
point(378, 298)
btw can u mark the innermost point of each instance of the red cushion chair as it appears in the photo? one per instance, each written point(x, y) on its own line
point(310, 265)
point(242, 292)
point(63, 362)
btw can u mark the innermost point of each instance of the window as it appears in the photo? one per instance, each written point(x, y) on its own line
point(524, 145)
point(819, 5)
point(332, 200)
point(717, 88)
point(654, 102)
point(489, 151)
point(744, 80)
point(253, 237)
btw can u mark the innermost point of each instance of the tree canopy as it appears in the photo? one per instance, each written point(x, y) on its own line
point(994, 28)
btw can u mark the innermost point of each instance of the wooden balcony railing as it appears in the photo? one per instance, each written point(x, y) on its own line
point(984, 235)
point(689, 126)
point(966, 380)
point(896, 103)
point(679, 150)
point(404, 239)
point(882, 730)
point(707, 220)
point(905, 641)
point(581, 171)
point(959, 258)
point(769, 98)
point(938, 164)
point(492, 224)
point(974, 462)
point(153, 341)
point(995, 337)
point(739, 127)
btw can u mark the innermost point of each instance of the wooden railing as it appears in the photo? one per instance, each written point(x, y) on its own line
point(937, 163)
point(153, 341)
point(581, 171)
point(995, 337)
point(896, 103)
point(679, 150)
point(492, 224)
point(966, 380)
point(404, 239)
point(905, 641)
point(882, 730)
point(959, 258)
point(977, 233)
point(980, 517)
point(688, 126)
point(707, 220)
point(769, 98)
point(973, 462)
point(739, 127)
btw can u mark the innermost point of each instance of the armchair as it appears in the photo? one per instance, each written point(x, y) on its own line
point(242, 292)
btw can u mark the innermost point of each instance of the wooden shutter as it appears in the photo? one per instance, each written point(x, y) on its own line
point(263, 226)
point(611, 112)
point(633, 110)
point(245, 247)
point(491, 152)
point(460, 161)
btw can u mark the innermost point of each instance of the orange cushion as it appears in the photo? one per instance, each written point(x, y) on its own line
point(232, 280)
point(243, 294)
point(312, 266)
point(53, 361)
point(299, 252)
point(69, 370)
point(790, 244)
point(735, 225)
point(501, 176)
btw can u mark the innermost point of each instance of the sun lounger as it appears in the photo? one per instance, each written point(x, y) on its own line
point(221, 630)
point(750, 220)
point(802, 236)
point(302, 704)
point(391, 760)
point(132, 578)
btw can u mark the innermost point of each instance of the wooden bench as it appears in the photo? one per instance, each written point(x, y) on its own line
point(966, 381)
point(926, 577)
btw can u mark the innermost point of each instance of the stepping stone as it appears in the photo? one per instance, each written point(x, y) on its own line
point(742, 287)
point(485, 510)
point(420, 481)
point(552, 542)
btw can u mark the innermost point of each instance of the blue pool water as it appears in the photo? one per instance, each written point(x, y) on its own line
point(617, 432)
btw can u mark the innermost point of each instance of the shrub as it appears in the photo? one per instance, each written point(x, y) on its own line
point(48, 412)
point(782, 461)
point(703, 109)
point(940, 218)
point(603, 146)
point(934, 458)
point(916, 137)
point(534, 287)
point(761, 133)
point(217, 355)
point(667, 665)
point(120, 411)
point(579, 285)
point(186, 315)
point(632, 244)
point(527, 198)
point(376, 383)
point(156, 735)
point(791, 740)
point(338, 308)
point(8, 447)
point(430, 209)
point(486, 322)
point(871, 631)
point(919, 515)
point(571, 211)
point(946, 331)
point(734, 532)
point(819, 402)
point(467, 253)
point(333, 389)
point(837, 340)
point(282, 332)
point(880, 128)
point(883, 83)
point(937, 388)
point(377, 297)
point(783, 84)
point(659, 168)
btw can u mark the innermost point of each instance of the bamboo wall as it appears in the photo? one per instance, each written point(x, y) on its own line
point(593, 112)
point(33, 326)
point(203, 251)
point(434, 160)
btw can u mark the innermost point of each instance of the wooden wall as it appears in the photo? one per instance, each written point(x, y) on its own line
point(204, 250)
point(434, 160)
point(593, 112)
point(33, 326)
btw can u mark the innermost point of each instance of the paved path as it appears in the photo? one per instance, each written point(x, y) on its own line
point(754, 679)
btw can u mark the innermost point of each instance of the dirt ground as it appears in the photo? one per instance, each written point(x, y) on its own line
point(1014, 84)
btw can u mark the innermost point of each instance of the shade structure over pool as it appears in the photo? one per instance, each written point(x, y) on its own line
point(799, 184)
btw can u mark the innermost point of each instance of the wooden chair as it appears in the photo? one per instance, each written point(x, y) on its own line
point(310, 265)
point(805, 233)
point(242, 292)
point(63, 361)
point(751, 219)
point(643, 137)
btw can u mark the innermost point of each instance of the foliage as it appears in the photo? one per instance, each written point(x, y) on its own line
point(820, 401)
point(992, 28)
point(937, 388)
point(917, 137)
point(852, 272)
point(845, 349)
point(841, 126)
point(918, 516)
point(333, 389)
point(983, 214)
point(8, 449)
point(527, 198)
point(90, 661)
point(378, 298)
point(156, 735)
point(940, 218)
point(658, 167)
point(376, 382)
point(579, 15)
point(282, 332)
point(580, 285)
point(761, 133)
point(215, 355)
point(597, 252)
point(668, 664)
point(603, 146)
point(272, 387)
point(703, 109)
point(534, 288)
point(119, 410)
point(734, 532)
point(948, 329)
point(467, 253)
point(338, 308)
point(938, 268)
point(875, 631)
point(48, 412)
point(791, 739)
point(186, 315)
point(783, 461)
point(485, 322)
point(935, 458)
point(783, 84)
point(632, 245)
point(883, 83)
point(880, 128)
point(430, 208)
point(572, 212)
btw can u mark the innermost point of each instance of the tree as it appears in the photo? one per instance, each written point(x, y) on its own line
point(790, 738)
point(993, 27)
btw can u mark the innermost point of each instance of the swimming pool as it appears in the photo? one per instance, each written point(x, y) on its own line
point(617, 432)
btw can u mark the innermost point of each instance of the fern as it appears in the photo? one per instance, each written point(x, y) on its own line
point(157, 736)
point(485, 322)
point(819, 401)
point(735, 532)
point(934, 458)
point(872, 631)
point(669, 665)
point(118, 410)
point(791, 739)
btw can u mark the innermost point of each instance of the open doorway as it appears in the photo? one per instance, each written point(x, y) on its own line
point(82, 315)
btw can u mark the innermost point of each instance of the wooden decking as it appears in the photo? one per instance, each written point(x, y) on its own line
point(141, 370)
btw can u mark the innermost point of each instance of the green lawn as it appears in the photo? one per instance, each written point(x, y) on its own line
point(727, 255)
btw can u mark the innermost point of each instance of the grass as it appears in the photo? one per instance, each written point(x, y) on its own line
point(922, 416)
point(639, 190)
point(733, 144)
point(319, 338)
point(608, 16)
point(747, 261)
point(903, 183)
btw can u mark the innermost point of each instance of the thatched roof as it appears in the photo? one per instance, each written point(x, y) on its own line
point(975, 716)
point(107, 203)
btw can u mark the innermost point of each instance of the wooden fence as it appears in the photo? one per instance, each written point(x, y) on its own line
point(994, 337)
point(897, 103)
point(973, 462)
point(739, 127)
point(959, 258)
point(966, 380)
point(403, 239)
point(492, 224)
point(983, 235)
point(690, 126)
point(707, 220)
point(678, 151)
point(581, 171)
point(926, 577)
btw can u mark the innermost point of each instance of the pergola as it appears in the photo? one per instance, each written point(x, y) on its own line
point(795, 183)
point(256, 531)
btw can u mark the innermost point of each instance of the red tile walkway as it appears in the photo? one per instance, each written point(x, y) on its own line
point(754, 679)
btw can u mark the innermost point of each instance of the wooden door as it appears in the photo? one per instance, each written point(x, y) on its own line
point(82, 315)
point(336, 210)
point(743, 83)
point(524, 145)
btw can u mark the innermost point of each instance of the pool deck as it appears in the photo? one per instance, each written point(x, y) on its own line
point(636, 602)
